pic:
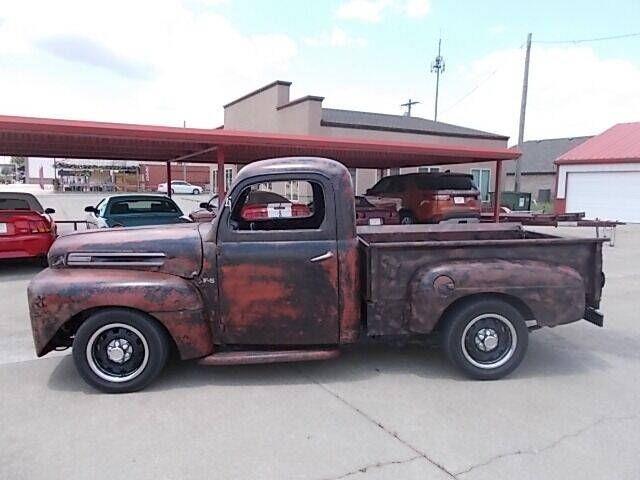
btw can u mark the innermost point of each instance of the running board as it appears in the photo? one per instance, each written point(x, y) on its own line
point(268, 356)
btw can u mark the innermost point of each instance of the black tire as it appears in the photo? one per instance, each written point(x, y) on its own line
point(486, 339)
point(406, 218)
point(196, 191)
point(43, 261)
point(120, 332)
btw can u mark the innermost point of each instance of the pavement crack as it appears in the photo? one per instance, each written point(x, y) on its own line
point(550, 446)
point(372, 466)
point(395, 435)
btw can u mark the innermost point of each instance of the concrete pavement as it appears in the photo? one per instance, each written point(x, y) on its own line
point(571, 410)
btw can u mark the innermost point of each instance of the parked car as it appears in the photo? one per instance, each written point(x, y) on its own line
point(237, 291)
point(26, 229)
point(381, 214)
point(258, 203)
point(134, 211)
point(180, 186)
point(431, 197)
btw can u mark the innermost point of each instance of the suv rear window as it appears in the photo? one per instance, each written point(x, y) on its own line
point(445, 182)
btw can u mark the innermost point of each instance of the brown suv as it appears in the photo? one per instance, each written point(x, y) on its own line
point(431, 197)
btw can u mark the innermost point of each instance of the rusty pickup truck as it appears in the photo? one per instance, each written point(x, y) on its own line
point(292, 287)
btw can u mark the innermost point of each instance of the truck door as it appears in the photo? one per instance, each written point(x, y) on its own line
point(278, 263)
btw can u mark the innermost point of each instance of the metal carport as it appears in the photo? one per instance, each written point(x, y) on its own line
point(27, 136)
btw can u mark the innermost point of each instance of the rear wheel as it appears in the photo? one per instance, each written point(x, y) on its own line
point(196, 191)
point(486, 339)
point(118, 350)
point(407, 218)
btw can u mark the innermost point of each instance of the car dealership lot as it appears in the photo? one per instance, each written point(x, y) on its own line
point(570, 411)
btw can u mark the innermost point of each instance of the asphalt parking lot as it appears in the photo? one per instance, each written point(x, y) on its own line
point(572, 409)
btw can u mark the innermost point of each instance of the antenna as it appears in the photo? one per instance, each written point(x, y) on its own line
point(409, 104)
point(437, 67)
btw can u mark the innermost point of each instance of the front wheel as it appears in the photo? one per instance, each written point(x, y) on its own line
point(196, 191)
point(119, 350)
point(486, 339)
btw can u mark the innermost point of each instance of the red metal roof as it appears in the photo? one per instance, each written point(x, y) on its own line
point(619, 144)
point(116, 141)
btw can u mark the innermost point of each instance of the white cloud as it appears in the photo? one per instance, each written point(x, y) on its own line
point(417, 8)
point(572, 92)
point(337, 37)
point(373, 10)
point(157, 61)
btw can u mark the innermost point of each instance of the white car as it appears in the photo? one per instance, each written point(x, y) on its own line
point(180, 186)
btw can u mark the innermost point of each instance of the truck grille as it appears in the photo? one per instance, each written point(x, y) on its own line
point(115, 259)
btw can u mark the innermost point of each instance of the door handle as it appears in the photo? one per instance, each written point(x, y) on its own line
point(322, 257)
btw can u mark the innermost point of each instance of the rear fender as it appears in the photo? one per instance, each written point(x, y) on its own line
point(554, 294)
point(57, 296)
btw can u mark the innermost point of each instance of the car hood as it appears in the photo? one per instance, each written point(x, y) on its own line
point(173, 249)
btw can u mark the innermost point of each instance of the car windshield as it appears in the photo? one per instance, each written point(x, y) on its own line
point(19, 201)
point(137, 206)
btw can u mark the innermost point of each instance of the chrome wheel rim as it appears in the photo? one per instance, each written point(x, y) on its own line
point(117, 352)
point(489, 341)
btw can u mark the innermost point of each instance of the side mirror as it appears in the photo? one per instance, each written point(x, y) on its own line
point(90, 209)
point(49, 211)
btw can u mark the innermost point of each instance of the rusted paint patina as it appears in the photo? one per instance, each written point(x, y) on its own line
point(553, 277)
point(181, 244)
point(540, 286)
point(57, 295)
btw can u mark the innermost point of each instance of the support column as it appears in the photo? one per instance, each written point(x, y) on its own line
point(169, 179)
point(496, 193)
point(220, 176)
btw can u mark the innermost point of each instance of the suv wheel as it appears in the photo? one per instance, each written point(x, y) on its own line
point(118, 350)
point(486, 339)
point(406, 218)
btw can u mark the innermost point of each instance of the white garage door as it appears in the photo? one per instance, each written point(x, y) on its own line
point(605, 195)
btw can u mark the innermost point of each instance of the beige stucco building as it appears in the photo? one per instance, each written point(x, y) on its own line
point(271, 109)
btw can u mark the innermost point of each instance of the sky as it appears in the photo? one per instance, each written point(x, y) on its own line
point(168, 61)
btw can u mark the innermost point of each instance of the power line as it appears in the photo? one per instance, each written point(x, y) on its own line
point(470, 92)
point(596, 39)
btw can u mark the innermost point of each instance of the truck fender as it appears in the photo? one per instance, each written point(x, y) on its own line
point(550, 294)
point(58, 296)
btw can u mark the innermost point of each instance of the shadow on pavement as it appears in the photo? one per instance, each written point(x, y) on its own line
point(19, 269)
point(547, 357)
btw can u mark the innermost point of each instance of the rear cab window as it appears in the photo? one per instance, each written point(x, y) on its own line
point(279, 205)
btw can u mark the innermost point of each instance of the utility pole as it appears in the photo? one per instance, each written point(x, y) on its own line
point(523, 108)
point(437, 66)
point(409, 104)
point(184, 165)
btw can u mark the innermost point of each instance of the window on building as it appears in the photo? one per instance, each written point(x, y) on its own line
point(261, 210)
point(393, 171)
point(428, 169)
point(481, 179)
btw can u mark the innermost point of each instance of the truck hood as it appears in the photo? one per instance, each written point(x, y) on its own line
point(172, 249)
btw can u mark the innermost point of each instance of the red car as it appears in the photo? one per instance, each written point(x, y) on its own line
point(26, 229)
point(368, 213)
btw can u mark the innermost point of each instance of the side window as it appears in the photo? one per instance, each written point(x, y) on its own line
point(288, 205)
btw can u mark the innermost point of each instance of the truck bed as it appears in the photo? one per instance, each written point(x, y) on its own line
point(391, 256)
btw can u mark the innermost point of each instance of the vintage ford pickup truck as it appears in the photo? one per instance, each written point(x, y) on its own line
point(288, 288)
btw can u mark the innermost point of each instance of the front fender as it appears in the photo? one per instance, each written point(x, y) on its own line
point(555, 294)
point(57, 295)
